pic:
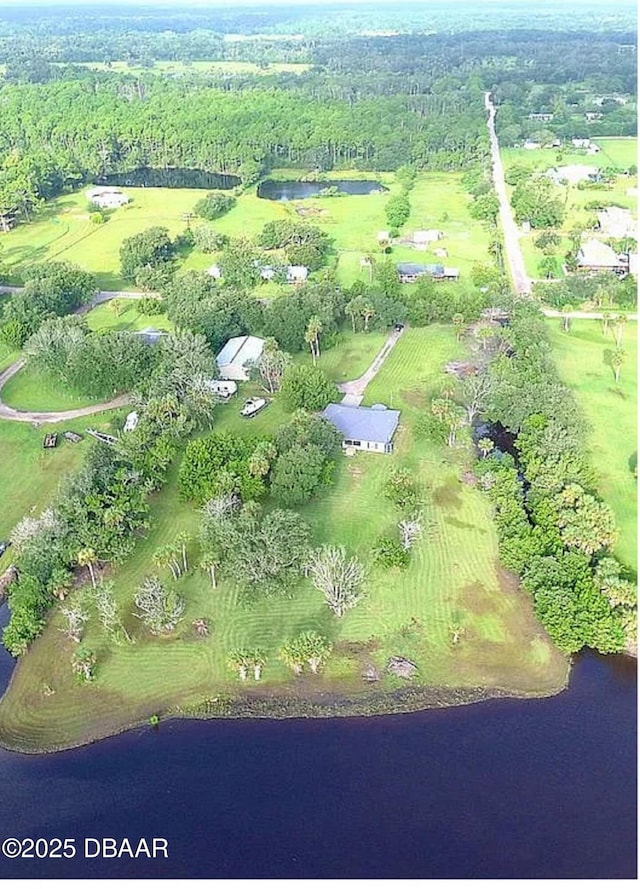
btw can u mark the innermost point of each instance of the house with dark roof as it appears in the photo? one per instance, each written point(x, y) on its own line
point(410, 272)
point(364, 428)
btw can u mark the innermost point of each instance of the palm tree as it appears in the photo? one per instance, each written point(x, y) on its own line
point(293, 656)
point(486, 446)
point(606, 320)
point(209, 562)
point(163, 558)
point(240, 660)
point(316, 648)
point(368, 312)
point(87, 558)
point(354, 309)
point(458, 322)
point(259, 659)
point(370, 261)
point(314, 327)
point(456, 630)
point(620, 321)
point(182, 541)
point(484, 335)
point(566, 316)
point(617, 358)
point(201, 627)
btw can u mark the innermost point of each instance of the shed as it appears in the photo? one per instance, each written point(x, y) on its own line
point(215, 271)
point(297, 274)
point(422, 238)
point(364, 428)
point(236, 356)
point(150, 335)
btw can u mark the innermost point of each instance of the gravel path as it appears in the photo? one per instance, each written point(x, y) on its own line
point(521, 280)
point(353, 390)
point(10, 413)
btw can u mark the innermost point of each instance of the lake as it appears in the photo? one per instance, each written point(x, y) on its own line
point(295, 190)
point(175, 177)
point(521, 789)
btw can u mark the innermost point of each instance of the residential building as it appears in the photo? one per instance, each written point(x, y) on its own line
point(594, 256)
point(364, 428)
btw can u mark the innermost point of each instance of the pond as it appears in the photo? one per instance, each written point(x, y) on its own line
point(542, 788)
point(176, 177)
point(297, 190)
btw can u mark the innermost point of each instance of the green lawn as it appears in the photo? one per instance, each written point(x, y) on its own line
point(105, 317)
point(63, 230)
point(32, 390)
point(611, 412)
point(453, 576)
point(29, 475)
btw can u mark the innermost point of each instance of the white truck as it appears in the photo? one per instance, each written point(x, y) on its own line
point(253, 406)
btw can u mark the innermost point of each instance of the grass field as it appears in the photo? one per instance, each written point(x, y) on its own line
point(31, 390)
point(104, 317)
point(453, 577)
point(29, 475)
point(63, 231)
point(611, 412)
point(614, 152)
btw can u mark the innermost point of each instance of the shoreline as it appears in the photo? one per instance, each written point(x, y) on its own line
point(321, 706)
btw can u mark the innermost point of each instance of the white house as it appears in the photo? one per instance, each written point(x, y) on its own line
point(107, 198)
point(297, 274)
point(364, 428)
point(594, 256)
point(573, 173)
point(237, 355)
point(615, 222)
point(422, 238)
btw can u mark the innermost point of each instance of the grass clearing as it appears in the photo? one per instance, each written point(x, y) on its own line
point(104, 317)
point(29, 475)
point(453, 577)
point(33, 390)
point(611, 412)
point(64, 231)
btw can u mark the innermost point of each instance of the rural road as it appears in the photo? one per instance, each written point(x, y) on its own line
point(101, 296)
point(9, 413)
point(521, 280)
point(353, 390)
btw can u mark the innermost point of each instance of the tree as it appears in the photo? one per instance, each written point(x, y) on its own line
point(213, 205)
point(567, 309)
point(485, 335)
point(402, 489)
point(606, 321)
point(315, 649)
point(152, 247)
point(293, 655)
point(83, 663)
point(271, 365)
point(617, 360)
point(298, 474)
point(618, 330)
point(410, 531)
point(165, 557)
point(241, 661)
point(87, 558)
point(485, 445)
point(207, 240)
point(76, 617)
point(354, 309)
point(368, 311)
point(182, 542)
point(338, 577)
point(585, 523)
point(262, 459)
point(107, 609)
point(397, 210)
point(307, 388)
point(159, 609)
point(389, 553)
point(475, 392)
point(458, 323)
point(311, 336)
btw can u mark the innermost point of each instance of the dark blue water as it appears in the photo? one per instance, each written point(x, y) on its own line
point(517, 789)
point(174, 177)
point(274, 190)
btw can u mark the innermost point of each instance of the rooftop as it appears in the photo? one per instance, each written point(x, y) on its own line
point(363, 423)
point(595, 253)
point(240, 350)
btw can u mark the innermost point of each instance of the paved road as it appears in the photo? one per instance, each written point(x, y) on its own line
point(521, 280)
point(354, 389)
point(9, 413)
point(101, 296)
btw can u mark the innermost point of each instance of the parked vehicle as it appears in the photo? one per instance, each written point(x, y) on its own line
point(4, 546)
point(253, 406)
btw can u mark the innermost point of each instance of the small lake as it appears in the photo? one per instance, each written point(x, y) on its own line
point(503, 789)
point(296, 190)
point(149, 177)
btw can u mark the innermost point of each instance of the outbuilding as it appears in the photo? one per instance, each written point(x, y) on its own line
point(237, 355)
point(107, 197)
point(364, 428)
